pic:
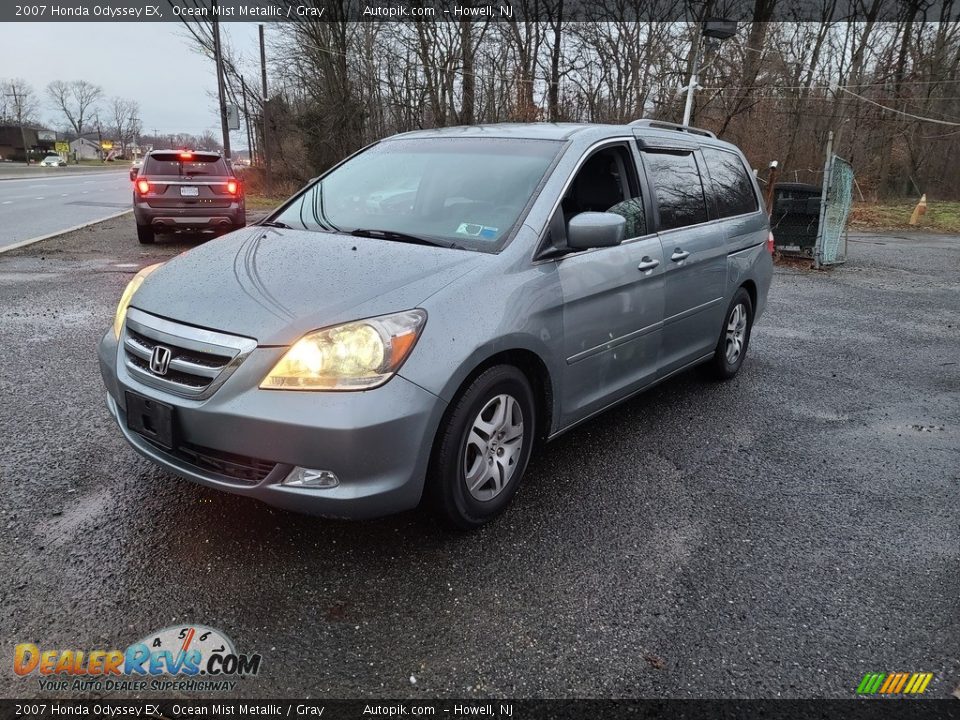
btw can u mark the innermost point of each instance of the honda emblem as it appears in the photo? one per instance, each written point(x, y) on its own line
point(160, 360)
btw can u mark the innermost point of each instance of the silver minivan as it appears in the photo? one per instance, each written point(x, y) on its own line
point(415, 320)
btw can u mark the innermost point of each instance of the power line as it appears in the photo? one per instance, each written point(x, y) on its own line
point(901, 112)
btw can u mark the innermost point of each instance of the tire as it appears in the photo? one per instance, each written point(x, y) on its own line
point(145, 234)
point(734, 337)
point(498, 398)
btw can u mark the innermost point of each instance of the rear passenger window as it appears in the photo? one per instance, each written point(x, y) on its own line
point(731, 183)
point(679, 191)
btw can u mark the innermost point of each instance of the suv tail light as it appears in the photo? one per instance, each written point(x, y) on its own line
point(143, 186)
point(770, 247)
point(232, 187)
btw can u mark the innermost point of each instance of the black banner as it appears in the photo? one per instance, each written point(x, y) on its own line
point(475, 10)
point(855, 709)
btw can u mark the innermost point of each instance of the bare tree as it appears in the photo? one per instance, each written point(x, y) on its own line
point(76, 100)
point(20, 107)
point(126, 121)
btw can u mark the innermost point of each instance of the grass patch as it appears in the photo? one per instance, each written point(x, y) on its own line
point(940, 216)
point(263, 202)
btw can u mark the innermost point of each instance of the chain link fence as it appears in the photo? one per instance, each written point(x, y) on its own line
point(836, 202)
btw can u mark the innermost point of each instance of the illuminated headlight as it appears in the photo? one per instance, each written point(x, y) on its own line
point(355, 356)
point(127, 296)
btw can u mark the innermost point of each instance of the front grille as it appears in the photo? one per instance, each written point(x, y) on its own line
point(228, 466)
point(200, 360)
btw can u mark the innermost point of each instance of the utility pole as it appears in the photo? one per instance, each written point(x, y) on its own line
point(218, 59)
point(266, 123)
point(96, 119)
point(246, 117)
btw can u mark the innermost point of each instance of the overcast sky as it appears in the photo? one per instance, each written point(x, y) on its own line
point(152, 63)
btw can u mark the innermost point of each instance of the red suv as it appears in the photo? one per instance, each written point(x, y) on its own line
point(186, 190)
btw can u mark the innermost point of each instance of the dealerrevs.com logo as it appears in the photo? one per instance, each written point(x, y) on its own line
point(177, 658)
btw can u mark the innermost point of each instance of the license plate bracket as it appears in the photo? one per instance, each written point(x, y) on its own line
point(189, 191)
point(150, 418)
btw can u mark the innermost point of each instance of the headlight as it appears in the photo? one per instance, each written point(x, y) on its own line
point(354, 356)
point(127, 296)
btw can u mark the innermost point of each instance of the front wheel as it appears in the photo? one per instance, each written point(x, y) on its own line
point(482, 448)
point(734, 337)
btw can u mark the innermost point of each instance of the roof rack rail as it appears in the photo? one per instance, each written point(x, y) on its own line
point(663, 125)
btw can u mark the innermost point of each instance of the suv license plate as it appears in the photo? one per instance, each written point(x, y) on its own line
point(189, 191)
point(152, 419)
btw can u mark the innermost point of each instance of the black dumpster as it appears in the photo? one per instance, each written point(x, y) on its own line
point(795, 217)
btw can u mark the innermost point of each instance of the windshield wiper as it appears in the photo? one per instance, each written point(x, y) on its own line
point(276, 224)
point(401, 237)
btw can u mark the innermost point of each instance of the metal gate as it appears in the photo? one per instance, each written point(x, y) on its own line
point(835, 203)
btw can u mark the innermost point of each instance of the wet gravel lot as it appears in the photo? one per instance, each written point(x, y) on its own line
point(777, 535)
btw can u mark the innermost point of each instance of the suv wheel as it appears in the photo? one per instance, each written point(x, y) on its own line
point(482, 448)
point(734, 337)
point(145, 234)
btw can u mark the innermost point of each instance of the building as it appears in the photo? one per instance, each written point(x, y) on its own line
point(84, 149)
point(11, 141)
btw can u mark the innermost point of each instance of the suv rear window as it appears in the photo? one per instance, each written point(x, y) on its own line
point(732, 187)
point(171, 163)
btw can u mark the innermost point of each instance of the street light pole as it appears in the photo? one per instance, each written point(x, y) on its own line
point(715, 30)
point(694, 79)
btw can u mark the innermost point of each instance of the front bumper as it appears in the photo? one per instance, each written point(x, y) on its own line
point(377, 442)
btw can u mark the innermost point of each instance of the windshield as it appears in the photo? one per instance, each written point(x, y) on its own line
point(464, 192)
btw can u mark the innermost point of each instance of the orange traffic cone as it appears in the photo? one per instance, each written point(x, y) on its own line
point(919, 210)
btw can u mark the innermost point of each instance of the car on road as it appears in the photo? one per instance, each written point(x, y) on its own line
point(416, 319)
point(186, 190)
point(53, 161)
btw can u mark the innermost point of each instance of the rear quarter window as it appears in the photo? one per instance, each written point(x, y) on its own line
point(677, 188)
point(731, 184)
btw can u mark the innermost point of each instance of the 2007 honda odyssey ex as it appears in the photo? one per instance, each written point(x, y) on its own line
point(415, 319)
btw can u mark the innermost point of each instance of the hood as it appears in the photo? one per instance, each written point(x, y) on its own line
point(274, 285)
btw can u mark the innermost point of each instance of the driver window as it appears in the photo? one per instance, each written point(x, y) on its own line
point(607, 182)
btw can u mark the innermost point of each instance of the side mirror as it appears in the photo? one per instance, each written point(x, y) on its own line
point(595, 229)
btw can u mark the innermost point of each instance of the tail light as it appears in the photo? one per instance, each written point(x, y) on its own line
point(143, 186)
point(770, 247)
point(186, 156)
point(232, 187)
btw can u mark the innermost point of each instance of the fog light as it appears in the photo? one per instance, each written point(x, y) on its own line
point(307, 478)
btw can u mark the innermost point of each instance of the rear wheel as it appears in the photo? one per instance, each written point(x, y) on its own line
point(734, 337)
point(482, 448)
point(145, 234)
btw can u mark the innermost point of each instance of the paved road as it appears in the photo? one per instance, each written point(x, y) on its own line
point(777, 535)
point(49, 202)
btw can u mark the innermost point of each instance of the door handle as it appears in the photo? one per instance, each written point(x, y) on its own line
point(679, 255)
point(647, 263)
